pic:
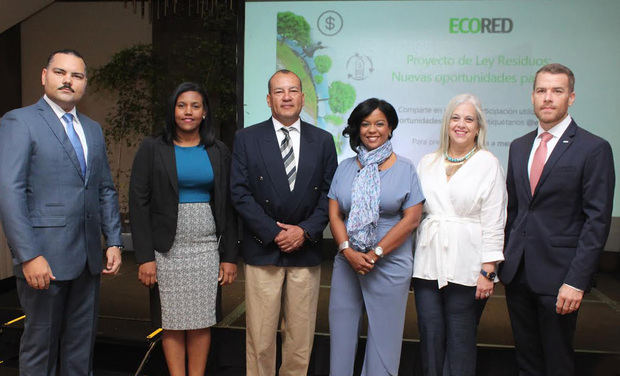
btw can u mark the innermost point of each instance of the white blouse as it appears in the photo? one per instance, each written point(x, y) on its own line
point(464, 218)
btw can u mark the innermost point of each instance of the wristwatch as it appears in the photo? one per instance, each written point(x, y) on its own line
point(378, 251)
point(490, 276)
point(344, 245)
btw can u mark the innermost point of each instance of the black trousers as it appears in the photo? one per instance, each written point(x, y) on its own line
point(543, 338)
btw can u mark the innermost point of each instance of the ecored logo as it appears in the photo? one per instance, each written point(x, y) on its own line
point(480, 25)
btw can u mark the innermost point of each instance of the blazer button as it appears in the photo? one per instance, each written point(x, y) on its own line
point(260, 178)
point(316, 188)
point(266, 201)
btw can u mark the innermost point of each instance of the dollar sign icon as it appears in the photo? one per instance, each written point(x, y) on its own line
point(329, 23)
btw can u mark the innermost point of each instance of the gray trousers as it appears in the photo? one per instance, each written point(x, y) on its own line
point(60, 327)
point(382, 293)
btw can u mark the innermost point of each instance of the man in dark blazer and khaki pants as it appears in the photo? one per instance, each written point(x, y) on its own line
point(560, 184)
point(56, 199)
point(280, 176)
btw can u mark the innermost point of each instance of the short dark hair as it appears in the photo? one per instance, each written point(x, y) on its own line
point(66, 51)
point(283, 71)
point(206, 131)
point(361, 112)
point(556, 68)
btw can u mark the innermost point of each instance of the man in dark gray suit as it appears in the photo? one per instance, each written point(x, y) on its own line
point(57, 198)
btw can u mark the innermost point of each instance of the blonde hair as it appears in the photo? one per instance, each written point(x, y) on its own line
point(444, 135)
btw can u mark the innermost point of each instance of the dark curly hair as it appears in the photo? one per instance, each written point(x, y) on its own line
point(361, 112)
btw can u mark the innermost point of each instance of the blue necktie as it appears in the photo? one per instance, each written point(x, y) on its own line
point(75, 141)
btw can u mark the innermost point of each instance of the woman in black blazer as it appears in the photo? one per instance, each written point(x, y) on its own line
point(183, 226)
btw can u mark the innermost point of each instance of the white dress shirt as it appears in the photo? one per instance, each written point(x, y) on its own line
point(295, 134)
point(557, 131)
point(76, 124)
point(464, 218)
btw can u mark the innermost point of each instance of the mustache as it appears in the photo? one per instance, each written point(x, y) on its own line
point(66, 86)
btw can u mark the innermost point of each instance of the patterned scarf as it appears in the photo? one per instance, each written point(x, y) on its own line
point(364, 214)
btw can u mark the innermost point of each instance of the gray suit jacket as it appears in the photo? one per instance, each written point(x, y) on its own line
point(46, 206)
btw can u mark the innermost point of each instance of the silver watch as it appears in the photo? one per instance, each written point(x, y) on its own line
point(378, 251)
point(344, 245)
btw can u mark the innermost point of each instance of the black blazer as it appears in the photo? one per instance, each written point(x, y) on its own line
point(261, 194)
point(559, 231)
point(154, 200)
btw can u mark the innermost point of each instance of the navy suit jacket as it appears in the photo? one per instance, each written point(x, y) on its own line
point(261, 195)
point(560, 230)
point(47, 207)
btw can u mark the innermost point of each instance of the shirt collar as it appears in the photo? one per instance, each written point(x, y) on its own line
point(296, 125)
point(557, 130)
point(58, 110)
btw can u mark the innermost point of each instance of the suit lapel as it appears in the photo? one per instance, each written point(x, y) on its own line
point(565, 141)
point(306, 165)
point(268, 147)
point(214, 159)
point(168, 159)
point(58, 129)
point(524, 155)
point(89, 133)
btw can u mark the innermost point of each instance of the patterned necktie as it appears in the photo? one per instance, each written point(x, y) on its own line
point(540, 156)
point(75, 141)
point(286, 148)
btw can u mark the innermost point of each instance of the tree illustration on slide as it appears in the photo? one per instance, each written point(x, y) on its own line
point(294, 27)
point(323, 63)
point(341, 97)
point(334, 119)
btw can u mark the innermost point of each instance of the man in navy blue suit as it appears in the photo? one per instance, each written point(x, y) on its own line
point(280, 176)
point(560, 184)
point(56, 199)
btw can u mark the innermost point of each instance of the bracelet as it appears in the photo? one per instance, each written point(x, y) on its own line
point(344, 245)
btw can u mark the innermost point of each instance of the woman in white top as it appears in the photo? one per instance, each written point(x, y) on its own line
point(459, 241)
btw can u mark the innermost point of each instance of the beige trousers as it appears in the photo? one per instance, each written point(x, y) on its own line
point(266, 289)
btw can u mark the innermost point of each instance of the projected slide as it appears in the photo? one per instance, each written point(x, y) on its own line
point(419, 54)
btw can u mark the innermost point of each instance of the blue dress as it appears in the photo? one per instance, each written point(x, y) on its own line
point(383, 291)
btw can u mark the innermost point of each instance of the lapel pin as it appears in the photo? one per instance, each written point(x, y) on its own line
point(565, 141)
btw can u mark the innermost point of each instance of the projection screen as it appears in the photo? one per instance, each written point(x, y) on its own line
point(417, 55)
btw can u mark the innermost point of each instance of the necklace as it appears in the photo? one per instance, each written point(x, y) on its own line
point(459, 160)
